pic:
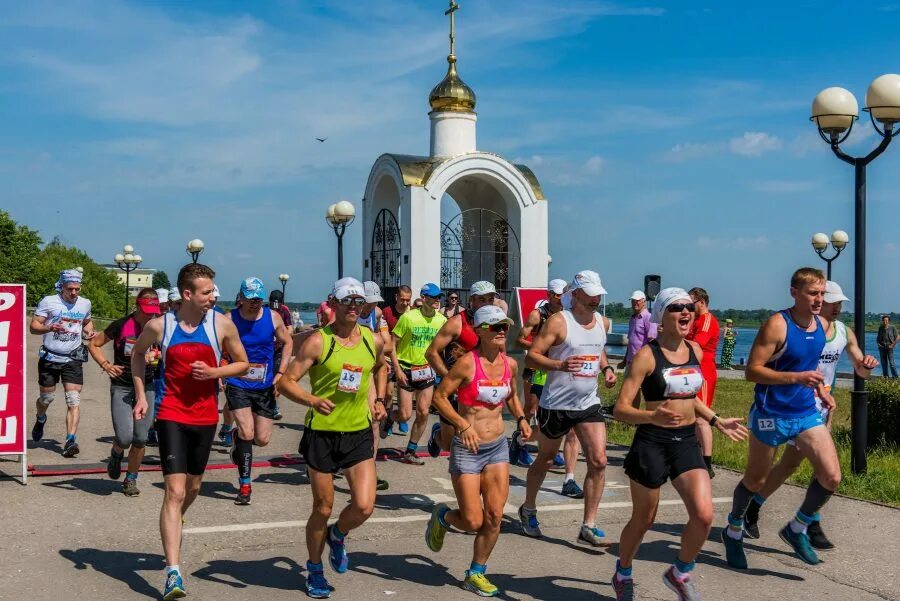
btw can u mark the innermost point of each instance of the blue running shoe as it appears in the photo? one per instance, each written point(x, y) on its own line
point(799, 542)
point(434, 447)
point(571, 489)
point(337, 552)
point(226, 438)
point(317, 586)
point(559, 460)
point(404, 427)
point(524, 459)
point(174, 586)
point(734, 551)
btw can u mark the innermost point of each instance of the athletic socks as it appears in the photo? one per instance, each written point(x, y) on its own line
point(170, 569)
point(442, 517)
point(740, 503)
point(800, 522)
point(245, 457)
point(569, 476)
point(682, 569)
point(759, 499)
point(68, 436)
point(42, 418)
point(336, 534)
point(735, 528)
point(816, 497)
point(477, 568)
point(131, 475)
point(412, 447)
point(622, 573)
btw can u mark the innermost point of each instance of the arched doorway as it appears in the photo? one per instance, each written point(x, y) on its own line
point(385, 255)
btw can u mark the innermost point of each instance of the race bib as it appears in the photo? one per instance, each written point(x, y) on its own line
point(129, 346)
point(256, 373)
point(766, 424)
point(351, 378)
point(421, 373)
point(590, 368)
point(682, 382)
point(492, 393)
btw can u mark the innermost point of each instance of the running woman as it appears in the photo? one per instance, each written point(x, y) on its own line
point(784, 363)
point(371, 317)
point(413, 334)
point(251, 397)
point(191, 343)
point(341, 360)
point(705, 332)
point(838, 339)
point(483, 381)
point(668, 373)
point(570, 348)
point(63, 319)
point(129, 433)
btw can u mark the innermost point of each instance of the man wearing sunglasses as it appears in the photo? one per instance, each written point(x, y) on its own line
point(251, 397)
point(413, 334)
point(571, 349)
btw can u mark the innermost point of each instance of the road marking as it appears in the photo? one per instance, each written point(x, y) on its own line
point(417, 517)
point(445, 483)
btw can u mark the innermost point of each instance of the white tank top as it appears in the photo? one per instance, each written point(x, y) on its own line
point(575, 391)
point(830, 356)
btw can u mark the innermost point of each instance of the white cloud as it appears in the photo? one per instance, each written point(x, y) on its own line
point(687, 151)
point(594, 165)
point(754, 144)
point(739, 243)
point(785, 186)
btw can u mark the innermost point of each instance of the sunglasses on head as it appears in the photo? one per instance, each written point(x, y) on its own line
point(679, 307)
point(353, 300)
point(496, 327)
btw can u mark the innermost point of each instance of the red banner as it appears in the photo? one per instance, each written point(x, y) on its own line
point(12, 369)
point(526, 300)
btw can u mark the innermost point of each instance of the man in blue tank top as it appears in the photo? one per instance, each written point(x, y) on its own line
point(783, 363)
point(251, 397)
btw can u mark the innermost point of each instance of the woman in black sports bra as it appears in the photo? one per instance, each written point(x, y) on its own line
point(665, 446)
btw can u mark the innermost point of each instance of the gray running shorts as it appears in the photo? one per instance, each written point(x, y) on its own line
point(128, 431)
point(464, 461)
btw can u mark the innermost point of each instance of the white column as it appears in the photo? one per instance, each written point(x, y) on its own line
point(421, 239)
point(535, 246)
point(452, 133)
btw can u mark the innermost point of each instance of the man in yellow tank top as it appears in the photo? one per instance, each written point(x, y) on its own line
point(339, 358)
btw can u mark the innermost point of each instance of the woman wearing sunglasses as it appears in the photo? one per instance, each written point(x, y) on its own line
point(483, 380)
point(667, 372)
point(453, 307)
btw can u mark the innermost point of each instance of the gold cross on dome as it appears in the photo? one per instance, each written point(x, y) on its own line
point(453, 8)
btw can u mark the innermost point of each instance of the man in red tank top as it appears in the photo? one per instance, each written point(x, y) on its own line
point(705, 332)
point(192, 342)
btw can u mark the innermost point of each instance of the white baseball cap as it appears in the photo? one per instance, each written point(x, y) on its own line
point(638, 295)
point(482, 288)
point(833, 293)
point(345, 287)
point(373, 292)
point(491, 314)
point(174, 295)
point(216, 293)
point(556, 286)
point(589, 281)
point(162, 294)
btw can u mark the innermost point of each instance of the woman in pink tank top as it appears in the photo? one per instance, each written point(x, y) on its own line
point(484, 380)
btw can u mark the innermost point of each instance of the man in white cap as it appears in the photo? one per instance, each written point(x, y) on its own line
point(341, 360)
point(641, 329)
point(570, 348)
point(372, 317)
point(838, 339)
point(162, 295)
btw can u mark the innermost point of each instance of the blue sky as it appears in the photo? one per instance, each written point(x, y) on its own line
point(669, 138)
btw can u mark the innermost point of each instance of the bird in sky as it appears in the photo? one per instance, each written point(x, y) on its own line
point(321, 139)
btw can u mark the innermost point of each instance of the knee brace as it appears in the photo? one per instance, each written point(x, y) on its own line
point(45, 398)
point(73, 398)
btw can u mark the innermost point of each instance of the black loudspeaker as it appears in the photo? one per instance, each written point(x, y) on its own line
point(652, 286)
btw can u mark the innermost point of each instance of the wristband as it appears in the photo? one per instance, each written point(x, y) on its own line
point(464, 429)
point(521, 418)
point(713, 420)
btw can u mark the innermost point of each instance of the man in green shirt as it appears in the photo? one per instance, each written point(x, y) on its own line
point(340, 360)
point(412, 336)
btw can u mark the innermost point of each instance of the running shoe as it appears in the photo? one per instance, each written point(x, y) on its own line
point(114, 465)
point(683, 588)
point(337, 552)
point(624, 588)
point(278, 414)
point(174, 586)
point(434, 447)
point(435, 531)
point(478, 583)
point(71, 448)
point(404, 427)
point(243, 497)
point(751, 520)
point(317, 586)
point(37, 432)
point(130, 488)
point(571, 489)
point(226, 437)
point(592, 536)
point(530, 524)
point(734, 551)
point(524, 459)
point(381, 484)
point(384, 428)
point(559, 460)
point(817, 537)
point(412, 459)
point(799, 541)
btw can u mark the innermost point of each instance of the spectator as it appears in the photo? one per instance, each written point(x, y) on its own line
point(887, 340)
point(640, 329)
point(729, 336)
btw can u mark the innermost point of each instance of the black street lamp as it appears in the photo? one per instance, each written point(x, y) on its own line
point(283, 277)
point(839, 241)
point(127, 261)
point(834, 111)
point(339, 217)
point(194, 248)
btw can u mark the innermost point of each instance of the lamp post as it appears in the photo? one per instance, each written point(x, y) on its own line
point(839, 241)
point(127, 261)
point(339, 216)
point(284, 280)
point(834, 111)
point(194, 248)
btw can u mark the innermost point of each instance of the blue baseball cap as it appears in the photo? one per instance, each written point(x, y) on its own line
point(252, 288)
point(432, 290)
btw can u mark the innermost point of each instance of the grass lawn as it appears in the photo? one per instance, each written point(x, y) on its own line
point(733, 397)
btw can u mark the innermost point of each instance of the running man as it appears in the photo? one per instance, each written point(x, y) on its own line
point(129, 433)
point(63, 319)
point(392, 313)
point(372, 317)
point(838, 338)
point(191, 344)
point(483, 381)
point(784, 363)
point(455, 338)
point(669, 374)
point(705, 332)
point(251, 396)
point(341, 360)
point(570, 348)
point(413, 334)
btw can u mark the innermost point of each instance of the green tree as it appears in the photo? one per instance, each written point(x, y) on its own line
point(161, 280)
point(19, 248)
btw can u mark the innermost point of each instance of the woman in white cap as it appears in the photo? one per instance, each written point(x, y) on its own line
point(483, 380)
point(667, 373)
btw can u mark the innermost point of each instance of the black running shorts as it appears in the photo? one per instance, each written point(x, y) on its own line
point(556, 423)
point(658, 454)
point(328, 452)
point(50, 373)
point(261, 402)
point(183, 448)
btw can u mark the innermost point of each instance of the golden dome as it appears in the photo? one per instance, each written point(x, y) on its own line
point(452, 93)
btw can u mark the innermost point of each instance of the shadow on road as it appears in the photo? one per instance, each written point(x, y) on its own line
point(49, 444)
point(102, 487)
point(122, 566)
point(223, 491)
point(417, 569)
point(546, 587)
point(276, 572)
